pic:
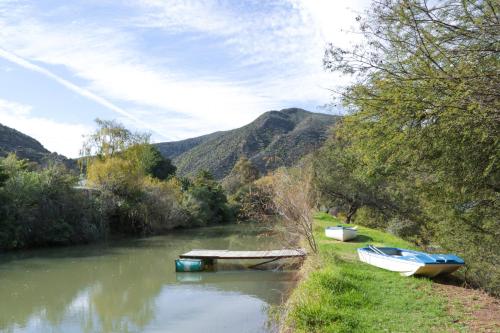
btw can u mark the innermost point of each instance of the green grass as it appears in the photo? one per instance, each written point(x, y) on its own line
point(341, 294)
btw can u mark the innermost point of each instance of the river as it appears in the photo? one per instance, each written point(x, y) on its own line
point(132, 286)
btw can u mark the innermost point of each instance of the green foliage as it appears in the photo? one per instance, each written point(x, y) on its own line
point(130, 189)
point(254, 202)
point(138, 191)
point(246, 197)
point(424, 122)
point(206, 202)
point(149, 207)
point(149, 160)
point(161, 168)
point(128, 171)
point(110, 138)
point(243, 173)
point(340, 294)
point(133, 201)
point(3, 175)
point(42, 208)
point(12, 141)
point(340, 178)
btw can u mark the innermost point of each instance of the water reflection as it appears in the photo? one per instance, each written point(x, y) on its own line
point(131, 286)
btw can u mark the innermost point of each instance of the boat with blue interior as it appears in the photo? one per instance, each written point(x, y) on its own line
point(410, 262)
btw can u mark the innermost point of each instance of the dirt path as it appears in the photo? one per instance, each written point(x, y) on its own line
point(475, 309)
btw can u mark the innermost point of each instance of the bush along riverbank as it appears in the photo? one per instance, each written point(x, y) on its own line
point(126, 188)
point(338, 293)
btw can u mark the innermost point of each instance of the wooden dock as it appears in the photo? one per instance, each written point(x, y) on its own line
point(226, 254)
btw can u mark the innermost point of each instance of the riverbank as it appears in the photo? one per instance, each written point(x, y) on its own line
point(338, 293)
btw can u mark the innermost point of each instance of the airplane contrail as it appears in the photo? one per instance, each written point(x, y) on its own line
point(71, 86)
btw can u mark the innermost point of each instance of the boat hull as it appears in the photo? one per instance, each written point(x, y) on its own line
point(405, 267)
point(343, 234)
point(432, 270)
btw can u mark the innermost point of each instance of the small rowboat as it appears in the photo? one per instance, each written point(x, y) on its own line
point(408, 262)
point(341, 233)
point(189, 265)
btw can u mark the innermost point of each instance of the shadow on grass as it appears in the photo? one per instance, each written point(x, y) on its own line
point(450, 280)
point(361, 239)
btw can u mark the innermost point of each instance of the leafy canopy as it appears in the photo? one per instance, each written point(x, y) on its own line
point(424, 118)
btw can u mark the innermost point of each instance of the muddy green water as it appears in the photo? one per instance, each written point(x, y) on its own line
point(132, 286)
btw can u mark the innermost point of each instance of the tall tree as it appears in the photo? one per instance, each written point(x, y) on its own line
point(3, 175)
point(340, 177)
point(109, 138)
point(242, 174)
point(424, 115)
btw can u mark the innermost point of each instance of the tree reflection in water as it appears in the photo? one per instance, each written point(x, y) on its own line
point(131, 285)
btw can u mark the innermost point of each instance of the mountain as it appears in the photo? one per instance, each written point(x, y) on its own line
point(13, 141)
point(177, 148)
point(276, 138)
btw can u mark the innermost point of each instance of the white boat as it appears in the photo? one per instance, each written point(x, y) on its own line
point(409, 262)
point(341, 233)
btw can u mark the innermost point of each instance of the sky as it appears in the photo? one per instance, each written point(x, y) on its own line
point(173, 68)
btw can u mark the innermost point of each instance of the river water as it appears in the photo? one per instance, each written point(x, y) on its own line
point(132, 286)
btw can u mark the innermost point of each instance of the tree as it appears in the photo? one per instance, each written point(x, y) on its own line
point(245, 197)
point(128, 172)
point(342, 182)
point(294, 200)
point(424, 116)
point(245, 171)
point(149, 159)
point(255, 200)
point(205, 200)
point(108, 139)
point(162, 168)
point(3, 176)
point(427, 95)
point(42, 207)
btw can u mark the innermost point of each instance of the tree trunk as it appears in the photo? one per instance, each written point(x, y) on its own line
point(350, 213)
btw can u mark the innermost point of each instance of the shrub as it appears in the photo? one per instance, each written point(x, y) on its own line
point(206, 202)
point(43, 208)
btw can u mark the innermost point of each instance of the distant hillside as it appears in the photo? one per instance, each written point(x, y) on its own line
point(276, 138)
point(176, 148)
point(13, 141)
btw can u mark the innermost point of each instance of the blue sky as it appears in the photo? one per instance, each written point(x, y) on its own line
point(175, 68)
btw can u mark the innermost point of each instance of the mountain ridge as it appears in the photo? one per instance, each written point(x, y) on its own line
point(26, 147)
point(274, 139)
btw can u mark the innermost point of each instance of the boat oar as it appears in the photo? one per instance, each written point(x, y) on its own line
point(376, 250)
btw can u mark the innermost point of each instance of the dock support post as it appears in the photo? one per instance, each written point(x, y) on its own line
point(209, 264)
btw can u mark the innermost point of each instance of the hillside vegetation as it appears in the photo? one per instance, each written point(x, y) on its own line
point(13, 141)
point(275, 139)
point(26, 147)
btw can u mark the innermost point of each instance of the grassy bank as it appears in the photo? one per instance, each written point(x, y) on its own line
point(338, 293)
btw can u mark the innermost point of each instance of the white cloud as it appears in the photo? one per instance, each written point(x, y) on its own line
point(65, 138)
point(285, 46)
point(83, 92)
point(115, 70)
point(288, 42)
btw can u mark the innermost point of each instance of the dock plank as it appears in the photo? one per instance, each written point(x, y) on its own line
point(227, 254)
